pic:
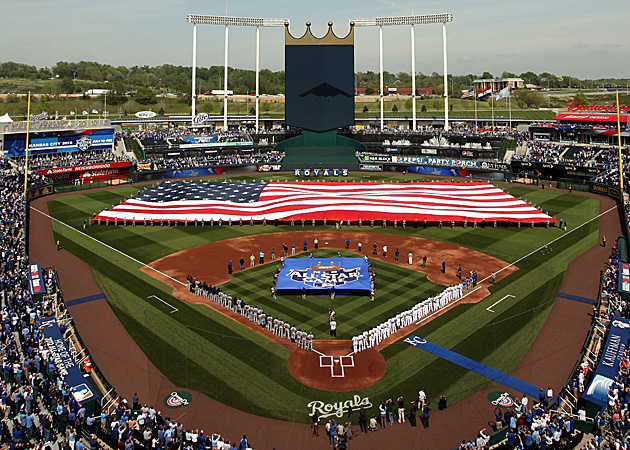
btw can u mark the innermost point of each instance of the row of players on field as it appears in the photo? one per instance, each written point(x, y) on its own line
point(373, 337)
point(276, 326)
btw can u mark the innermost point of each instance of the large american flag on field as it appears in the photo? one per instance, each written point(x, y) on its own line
point(434, 201)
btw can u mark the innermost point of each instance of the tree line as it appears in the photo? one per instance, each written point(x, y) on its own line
point(72, 77)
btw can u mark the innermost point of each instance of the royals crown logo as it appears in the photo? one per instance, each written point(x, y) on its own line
point(330, 38)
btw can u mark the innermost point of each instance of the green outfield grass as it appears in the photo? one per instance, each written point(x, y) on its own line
point(201, 349)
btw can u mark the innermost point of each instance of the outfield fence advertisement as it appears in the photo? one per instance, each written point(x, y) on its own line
point(437, 162)
point(608, 366)
point(88, 172)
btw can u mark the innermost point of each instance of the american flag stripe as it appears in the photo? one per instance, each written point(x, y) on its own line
point(329, 200)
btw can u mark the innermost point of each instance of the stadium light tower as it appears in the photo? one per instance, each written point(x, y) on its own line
point(380, 22)
point(227, 21)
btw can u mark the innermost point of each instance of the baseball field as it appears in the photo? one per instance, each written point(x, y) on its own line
point(198, 347)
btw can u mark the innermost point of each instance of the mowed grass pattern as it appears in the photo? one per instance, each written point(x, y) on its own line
point(201, 349)
point(396, 289)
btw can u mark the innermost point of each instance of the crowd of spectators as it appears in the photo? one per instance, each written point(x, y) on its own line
point(143, 424)
point(38, 408)
point(70, 159)
point(185, 162)
point(176, 136)
point(455, 130)
point(541, 151)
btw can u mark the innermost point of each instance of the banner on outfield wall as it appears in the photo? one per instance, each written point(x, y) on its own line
point(68, 369)
point(269, 167)
point(608, 366)
point(438, 171)
point(624, 280)
point(88, 172)
point(611, 191)
point(320, 172)
point(554, 171)
point(451, 163)
point(378, 158)
point(36, 285)
point(34, 193)
point(371, 167)
point(187, 173)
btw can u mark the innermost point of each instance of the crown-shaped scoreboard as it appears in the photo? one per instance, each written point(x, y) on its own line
point(319, 77)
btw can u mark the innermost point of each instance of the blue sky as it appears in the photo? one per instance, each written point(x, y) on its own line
point(579, 38)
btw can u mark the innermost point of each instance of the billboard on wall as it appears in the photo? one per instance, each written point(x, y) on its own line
point(608, 366)
point(88, 172)
point(44, 143)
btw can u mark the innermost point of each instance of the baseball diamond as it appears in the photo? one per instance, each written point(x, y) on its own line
point(215, 254)
point(461, 327)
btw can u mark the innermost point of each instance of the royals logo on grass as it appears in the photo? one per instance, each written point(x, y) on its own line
point(178, 399)
point(501, 399)
point(325, 276)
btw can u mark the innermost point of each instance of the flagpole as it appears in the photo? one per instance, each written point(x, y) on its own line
point(492, 101)
point(619, 141)
point(28, 129)
point(510, 107)
point(476, 125)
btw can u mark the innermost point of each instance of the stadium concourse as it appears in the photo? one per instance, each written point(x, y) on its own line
point(129, 370)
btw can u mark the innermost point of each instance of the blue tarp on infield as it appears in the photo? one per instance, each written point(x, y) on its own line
point(324, 274)
point(477, 367)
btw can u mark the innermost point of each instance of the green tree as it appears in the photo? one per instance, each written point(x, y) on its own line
point(530, 78)
point(436, 104)
point(394, 108)
point(369, 91)
point(145, 96)
point(531, 98)
point(424, 108)
point(408, 104)
point(131, 107)
point(266, 107)
point(366, 109)
point(580, 97)
point(252, 111)
point(66, 85)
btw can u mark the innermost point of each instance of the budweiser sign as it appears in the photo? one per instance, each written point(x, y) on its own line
point(578, 106)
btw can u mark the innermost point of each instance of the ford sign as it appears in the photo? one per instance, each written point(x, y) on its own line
point(200, 118)
point(145, 114)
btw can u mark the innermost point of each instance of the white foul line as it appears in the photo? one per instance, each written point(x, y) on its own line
point(552, 241)
point(496, 303)
point(108, 246)
point(167, 304)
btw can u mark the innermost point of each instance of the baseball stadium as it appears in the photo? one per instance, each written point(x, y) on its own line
point(239, 283)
